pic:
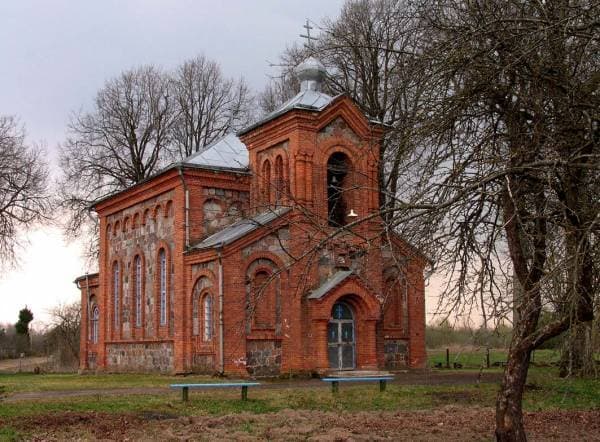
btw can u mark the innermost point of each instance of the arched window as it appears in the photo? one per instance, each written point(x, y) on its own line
point(279, 180)
point(116, 292)
point(195, 316)
point(198, 295)
point(162, 285)
point(94, 321)
point(137, 262)
point(208, 318)
point(266, 182)
point(338, 167)
point(264, 293)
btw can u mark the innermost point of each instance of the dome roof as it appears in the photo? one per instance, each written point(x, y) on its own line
point(311, 74)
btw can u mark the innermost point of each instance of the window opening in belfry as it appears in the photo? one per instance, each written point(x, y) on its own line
point(337, 174)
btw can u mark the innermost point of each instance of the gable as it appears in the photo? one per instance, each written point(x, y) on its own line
point(338, 127)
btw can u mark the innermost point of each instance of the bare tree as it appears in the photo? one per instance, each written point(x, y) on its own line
point(207, 105)
point(122, 141)
point(64, 333)
point(23, 187)
point(509, 177)
point(369, 51)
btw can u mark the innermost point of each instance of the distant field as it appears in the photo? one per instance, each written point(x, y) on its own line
point(475, 357)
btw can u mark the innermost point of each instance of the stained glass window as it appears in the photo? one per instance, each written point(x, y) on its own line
point(341, 311)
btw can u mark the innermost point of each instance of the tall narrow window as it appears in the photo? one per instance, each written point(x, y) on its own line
point(208, 318)
point(116, 292)
point(162, 259)
point(138, 291)
point(266, 180)
point(279, 183)
point(337, 171)
point(94, 324)
point(195, 316)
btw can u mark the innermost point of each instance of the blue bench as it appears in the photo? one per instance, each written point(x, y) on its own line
point(244, 385)
point(336, 381)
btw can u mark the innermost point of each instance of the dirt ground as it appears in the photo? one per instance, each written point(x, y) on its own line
point(449, 423)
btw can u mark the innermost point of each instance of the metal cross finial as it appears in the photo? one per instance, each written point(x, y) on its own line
point(307, 36)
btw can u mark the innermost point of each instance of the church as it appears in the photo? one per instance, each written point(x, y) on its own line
point(261, 255)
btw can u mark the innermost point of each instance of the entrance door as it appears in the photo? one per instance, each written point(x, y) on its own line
point(340, 338)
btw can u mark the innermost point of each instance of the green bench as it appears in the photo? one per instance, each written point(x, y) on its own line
point(185, 388)
point(336, 381)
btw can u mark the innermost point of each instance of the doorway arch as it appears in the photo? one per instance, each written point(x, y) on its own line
point(341, 342)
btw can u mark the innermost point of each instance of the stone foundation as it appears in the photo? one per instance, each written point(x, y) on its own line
point(395, 354)
point(150, 357)
point(263, 358)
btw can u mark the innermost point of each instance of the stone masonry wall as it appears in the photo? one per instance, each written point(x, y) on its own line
point(263, 357)
point(395, 354)
point(140, 230)
point(148, 357)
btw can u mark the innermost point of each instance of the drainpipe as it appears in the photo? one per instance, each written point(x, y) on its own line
point(221, 328)
point(187, 208)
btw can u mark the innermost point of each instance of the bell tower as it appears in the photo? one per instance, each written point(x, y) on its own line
point(316, 151)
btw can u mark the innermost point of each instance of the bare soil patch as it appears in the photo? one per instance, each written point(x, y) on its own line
point(450, 423)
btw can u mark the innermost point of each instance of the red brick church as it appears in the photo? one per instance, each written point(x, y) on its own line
point(262, 254)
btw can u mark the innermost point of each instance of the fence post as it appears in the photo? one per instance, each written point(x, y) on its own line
point(487, 357)
point(447, 358)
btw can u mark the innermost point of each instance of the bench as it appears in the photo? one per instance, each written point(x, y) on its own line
point(244, 385)
point(335, 381)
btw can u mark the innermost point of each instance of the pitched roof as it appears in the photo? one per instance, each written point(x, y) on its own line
point(225, 153)
point(307, 99)
point(241, 228)
point(330, 284)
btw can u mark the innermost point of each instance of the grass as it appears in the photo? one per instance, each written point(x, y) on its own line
point(475, 358)
point(545, 391)
point(9, 434)
point(350, 398)
point(28, 382)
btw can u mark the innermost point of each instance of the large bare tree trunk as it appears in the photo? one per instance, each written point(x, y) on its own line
point(577, 358)
point(509, 412)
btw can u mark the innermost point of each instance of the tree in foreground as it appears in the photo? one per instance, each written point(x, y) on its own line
point(505, 191)
point(23, 188)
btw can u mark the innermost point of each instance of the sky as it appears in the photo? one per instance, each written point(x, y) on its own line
point(56, 54)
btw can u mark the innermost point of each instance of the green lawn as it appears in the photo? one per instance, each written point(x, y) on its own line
point(545, 390)
point(27, 382)
point(218, 402)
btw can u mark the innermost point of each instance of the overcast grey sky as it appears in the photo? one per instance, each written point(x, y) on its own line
point(56, 54)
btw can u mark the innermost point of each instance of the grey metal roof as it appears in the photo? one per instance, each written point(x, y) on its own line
point(225, 153)
point(331, 283)
point(241, 228)
point(307, 100)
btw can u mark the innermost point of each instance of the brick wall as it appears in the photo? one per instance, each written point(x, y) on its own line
point(153, 215)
